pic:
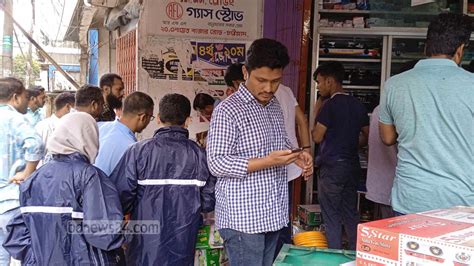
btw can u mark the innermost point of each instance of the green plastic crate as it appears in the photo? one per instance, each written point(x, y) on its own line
point(310, 215)
point(294, 255)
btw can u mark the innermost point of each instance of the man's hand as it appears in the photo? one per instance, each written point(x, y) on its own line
point(305, 162)
point(23, 175)
point(19, 177)
point(282, 157)
point(275, 158)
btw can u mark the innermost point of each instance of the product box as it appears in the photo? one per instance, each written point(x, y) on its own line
point(439, 237)
point(210, 257)
point(208, 237)
point(310, 215)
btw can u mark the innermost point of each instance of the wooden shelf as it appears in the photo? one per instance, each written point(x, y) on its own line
point(355, 11)
point(404, 60)
point(381, 31)
point(361, 60)
point(360, 87)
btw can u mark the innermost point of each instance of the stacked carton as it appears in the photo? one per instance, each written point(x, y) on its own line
point(439, 237)
point(209, 246)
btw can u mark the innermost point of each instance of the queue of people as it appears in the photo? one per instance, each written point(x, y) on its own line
point(95, 176)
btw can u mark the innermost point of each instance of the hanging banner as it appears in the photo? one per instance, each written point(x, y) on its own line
point(209, 19)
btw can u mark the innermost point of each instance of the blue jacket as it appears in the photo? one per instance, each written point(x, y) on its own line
point(165, 179)
point(55, 201)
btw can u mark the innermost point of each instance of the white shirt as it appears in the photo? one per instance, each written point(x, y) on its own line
point(288, 104)
point(46, 127)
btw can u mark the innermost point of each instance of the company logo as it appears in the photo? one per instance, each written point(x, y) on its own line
point(372, 233)
point(463, 257)
point(174, 11)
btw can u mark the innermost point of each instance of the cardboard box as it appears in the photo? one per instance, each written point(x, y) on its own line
point(310, 215)
point(210, 257)
point(439, 237)
point(206, 257)
point(208, 237)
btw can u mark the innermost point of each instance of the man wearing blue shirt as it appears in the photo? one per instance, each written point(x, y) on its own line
point(429, 111)
point(116, 136)
point(36, 99)
point(20, 150)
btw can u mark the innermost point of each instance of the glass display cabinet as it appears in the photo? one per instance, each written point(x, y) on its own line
point(406, 51)
point(374, 40)
point(383, 13)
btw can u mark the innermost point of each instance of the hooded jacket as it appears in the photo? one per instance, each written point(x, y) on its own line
point(166, 180)
point(70, 213)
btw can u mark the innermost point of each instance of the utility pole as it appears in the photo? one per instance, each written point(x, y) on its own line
point(7, 44)
point(29, 60)
point(40, 49)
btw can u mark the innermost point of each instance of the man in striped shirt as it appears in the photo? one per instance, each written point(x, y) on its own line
point(248, 150)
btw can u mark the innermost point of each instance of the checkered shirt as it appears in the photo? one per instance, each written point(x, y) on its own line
point(242, 129)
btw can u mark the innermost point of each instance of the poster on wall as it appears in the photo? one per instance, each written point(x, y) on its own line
point(206, 19)
point(188, 67)
point(166, 65)
point(192, 61)
point(212, 60)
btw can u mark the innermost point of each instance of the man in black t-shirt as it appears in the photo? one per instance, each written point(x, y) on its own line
point(339, 122)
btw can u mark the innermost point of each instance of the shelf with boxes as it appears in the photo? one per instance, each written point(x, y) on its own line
point(406, 51)
point(470, 7)
point(362, 60)
point(382, 13)
point(375, 42)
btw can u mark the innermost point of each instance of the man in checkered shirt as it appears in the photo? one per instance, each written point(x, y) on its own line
point(248, 151)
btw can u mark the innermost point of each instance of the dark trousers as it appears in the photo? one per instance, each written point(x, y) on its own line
point(398, 213)
point(386, 211)
point(286, 232)
point(337, 194)
point(249, 249)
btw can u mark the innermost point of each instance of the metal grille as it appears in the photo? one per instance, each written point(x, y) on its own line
point(127, 60)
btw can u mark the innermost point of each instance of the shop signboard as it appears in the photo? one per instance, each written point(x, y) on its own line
point(206, 19)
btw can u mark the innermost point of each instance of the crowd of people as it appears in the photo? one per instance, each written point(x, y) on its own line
point(68, 183)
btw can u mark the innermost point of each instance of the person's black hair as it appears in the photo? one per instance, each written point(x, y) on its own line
point(332, 69)
point(446, 33)
point(137, 102)
point(174, 109)
point(266, 53)
point(32, 93)
point(233, 72)
point(63, 99)
point(88, 94)
point(108, 79)
point(408, 65)
point(10, 86)
point(202, 100)
point(470, 67)
point(36, 87)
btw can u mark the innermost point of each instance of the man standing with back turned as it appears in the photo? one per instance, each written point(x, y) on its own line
point(337, 129)
point(429, 111)
point(248, 150)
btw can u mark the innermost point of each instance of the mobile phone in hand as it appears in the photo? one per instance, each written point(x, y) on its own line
point(300, 149)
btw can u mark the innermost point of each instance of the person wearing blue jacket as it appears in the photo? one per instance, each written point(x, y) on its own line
point(64, 200)
point(165, 179)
